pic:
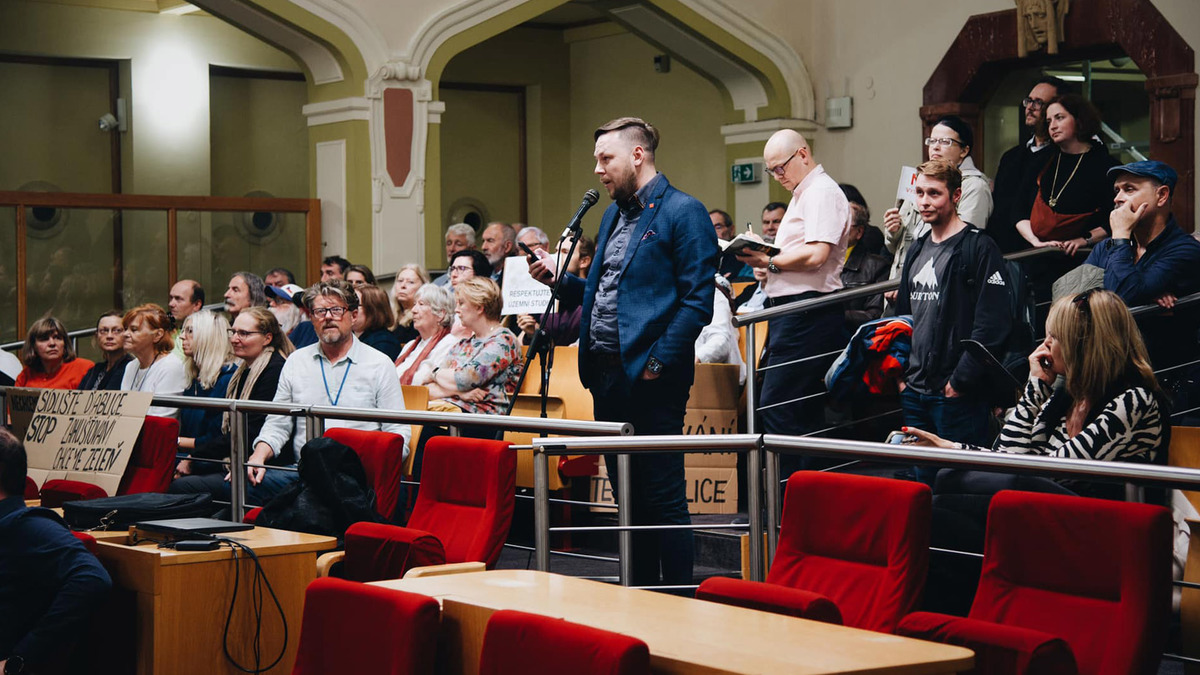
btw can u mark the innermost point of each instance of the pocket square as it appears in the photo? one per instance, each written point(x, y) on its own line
point(650, 234)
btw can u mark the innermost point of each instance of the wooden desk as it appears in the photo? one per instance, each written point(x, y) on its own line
point(684, 635)
point(182, 598)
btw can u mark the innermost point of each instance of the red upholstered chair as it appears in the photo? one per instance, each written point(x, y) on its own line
point(382, 456)
point(853, 550)
point(350, 627)
point(532, 644)
point(31, 489)
point(462, 513)
point(1066, 582)
point(152, 464)
point(56, 492)
point(89, 542)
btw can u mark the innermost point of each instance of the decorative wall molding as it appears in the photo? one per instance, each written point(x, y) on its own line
point(341, 110)
point(754, 132)
point(318, 59)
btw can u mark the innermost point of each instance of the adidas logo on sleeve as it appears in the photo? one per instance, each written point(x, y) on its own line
point(996, 279)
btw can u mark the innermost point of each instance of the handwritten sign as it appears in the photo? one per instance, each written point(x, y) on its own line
point(21, 404)
point(522, 294)
point(907, 190)
point(87, 436)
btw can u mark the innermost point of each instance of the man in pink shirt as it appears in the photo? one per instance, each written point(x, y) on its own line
point(812, 237)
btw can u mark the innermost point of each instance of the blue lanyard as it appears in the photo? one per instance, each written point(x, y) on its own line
point(334, 401)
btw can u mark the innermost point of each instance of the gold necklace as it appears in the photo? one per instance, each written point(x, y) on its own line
point(1053, 201)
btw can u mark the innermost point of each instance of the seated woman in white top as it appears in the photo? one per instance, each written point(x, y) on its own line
point(153, 369)
point(432, 315)
point(718, 341)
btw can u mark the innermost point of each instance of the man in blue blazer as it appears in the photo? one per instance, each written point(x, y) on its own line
point(646, 298)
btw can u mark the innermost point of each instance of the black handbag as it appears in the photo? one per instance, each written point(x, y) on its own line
point(112, 513)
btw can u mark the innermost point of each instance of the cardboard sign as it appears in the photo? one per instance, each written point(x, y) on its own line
point(21, 404)
point(86, 436)
point(521, 293)
point(907, 190)
point(709, 490)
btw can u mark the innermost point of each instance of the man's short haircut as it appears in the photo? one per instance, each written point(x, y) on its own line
point(633, 129)
point(40, 330)
point(479, 261)
point(725, 217)
point(338, 260)
point(13, 464)
point(334, 288)
point(463, 229)
point(198, 292)
point(1087, 118)
point(773, 206)
point(586, 248)
point(507, 231)
point(1061, 87)
point(959, 126)
point(940, 169)
point(538, 233)
point(258, 290)
point(483, 293)
point(291, 278)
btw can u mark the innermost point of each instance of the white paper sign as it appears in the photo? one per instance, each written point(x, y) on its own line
point(522, 294)
point(907, 190)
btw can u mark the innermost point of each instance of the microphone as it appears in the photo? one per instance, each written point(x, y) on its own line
point(589, 200)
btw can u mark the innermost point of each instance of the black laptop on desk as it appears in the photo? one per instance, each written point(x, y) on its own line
point(178, 526)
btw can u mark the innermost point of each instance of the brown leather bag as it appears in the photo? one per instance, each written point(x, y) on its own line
point(1050, 225)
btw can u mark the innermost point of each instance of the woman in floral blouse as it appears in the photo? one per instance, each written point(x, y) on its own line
point(480, 373)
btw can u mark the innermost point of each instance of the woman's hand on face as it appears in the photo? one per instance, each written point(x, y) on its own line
point(928, 440)
point(1041, 363)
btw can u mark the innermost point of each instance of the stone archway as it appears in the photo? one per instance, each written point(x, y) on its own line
point(986, 49)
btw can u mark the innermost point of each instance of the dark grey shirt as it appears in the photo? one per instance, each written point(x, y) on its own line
point(604, 335)
point(929, 278)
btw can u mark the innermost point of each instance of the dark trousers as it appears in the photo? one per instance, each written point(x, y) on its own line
point(961, 419)
point(792, 337)
point(654, 407)
point(273, 482)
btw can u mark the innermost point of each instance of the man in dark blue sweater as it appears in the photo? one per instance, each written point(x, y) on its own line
point(49, 583)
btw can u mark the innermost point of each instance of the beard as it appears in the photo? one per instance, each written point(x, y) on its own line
point(624, 187)
point(288, 316)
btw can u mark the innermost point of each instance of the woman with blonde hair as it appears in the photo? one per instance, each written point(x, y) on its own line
point(153, 369)
point(1111, 407)
point(208, 363)
point(49, 357)
point(258, 340)
point(373, 319)
point(409, 279)
point(481, 371)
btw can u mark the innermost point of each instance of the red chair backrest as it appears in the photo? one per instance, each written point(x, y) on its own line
point(382, 457)
point(350, 627)
point(532, 644)
point(89, 542)
point(862, 542)
point(31, 489)
point(1094, 572)
point(376, 551)
point(56, 492)
point(466, 497)
point(152, 464)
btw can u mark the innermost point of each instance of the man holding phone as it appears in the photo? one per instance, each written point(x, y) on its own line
point(645, 300)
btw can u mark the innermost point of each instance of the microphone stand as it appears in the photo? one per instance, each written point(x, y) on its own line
point(542, 346)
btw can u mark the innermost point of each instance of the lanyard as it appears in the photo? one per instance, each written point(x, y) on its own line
point(334, 401)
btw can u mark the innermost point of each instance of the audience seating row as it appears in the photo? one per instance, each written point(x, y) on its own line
point(351, 627)
point(1069, 584)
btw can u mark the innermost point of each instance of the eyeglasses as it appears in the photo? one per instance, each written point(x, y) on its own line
point(335, 312)
point(944, 142)
point(242, 334)
point(1035, 103)
point(1081, 301)
point(461, 268)
point(777, 171)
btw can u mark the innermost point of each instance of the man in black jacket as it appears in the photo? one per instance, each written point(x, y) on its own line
point(49, 583)
point(955, 286)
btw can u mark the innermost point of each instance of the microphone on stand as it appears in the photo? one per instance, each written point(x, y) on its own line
point(589, 200)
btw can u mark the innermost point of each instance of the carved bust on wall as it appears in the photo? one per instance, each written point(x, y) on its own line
point(1040, 24)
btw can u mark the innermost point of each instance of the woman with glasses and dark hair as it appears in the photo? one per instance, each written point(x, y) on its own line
point(950, 140)
point(49, 358)
point(110, 340)
point(1111, 408)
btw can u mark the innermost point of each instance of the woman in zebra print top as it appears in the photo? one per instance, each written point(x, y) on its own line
point(1111, 407)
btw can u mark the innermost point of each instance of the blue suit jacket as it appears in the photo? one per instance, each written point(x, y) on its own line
point(665, 296)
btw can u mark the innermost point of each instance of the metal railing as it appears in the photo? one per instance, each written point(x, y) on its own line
point(75, 335)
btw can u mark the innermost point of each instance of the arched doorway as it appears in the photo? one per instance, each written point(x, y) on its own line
point(986, 49)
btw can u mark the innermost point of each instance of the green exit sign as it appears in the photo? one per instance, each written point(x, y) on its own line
point(745, 173)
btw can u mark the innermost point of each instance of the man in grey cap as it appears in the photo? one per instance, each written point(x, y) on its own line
point(1150, 259)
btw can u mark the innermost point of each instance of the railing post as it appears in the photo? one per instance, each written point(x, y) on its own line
point(624, 518)
point(754, 461)
point(541, 508)
point(237, 464)
point(772, 502)
point(314, 426)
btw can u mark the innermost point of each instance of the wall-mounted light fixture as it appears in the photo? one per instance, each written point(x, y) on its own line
point(111, 122)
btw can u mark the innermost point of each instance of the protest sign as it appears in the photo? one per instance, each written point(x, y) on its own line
point(907, 190)
point(86, 436)
point(21, 404)
point(521, 293)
